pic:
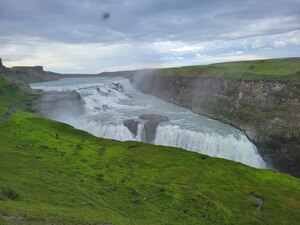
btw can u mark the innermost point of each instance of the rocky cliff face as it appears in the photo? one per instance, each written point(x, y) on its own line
point(38, 69)
point(24, 75)
point(54, 105)
point(150, 125)
point(268, 112)
point(32, 74)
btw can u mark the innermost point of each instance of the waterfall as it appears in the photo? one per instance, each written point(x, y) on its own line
point(109, 130)
point(238, 148)
point(109, 101)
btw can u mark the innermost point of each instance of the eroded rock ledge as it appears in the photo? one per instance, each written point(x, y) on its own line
point(53, 104)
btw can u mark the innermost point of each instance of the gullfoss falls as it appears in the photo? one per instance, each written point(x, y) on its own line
point(113, 108)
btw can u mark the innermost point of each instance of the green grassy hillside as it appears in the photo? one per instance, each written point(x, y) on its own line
point(81, 179)
point(270, 69)
point(11, 95)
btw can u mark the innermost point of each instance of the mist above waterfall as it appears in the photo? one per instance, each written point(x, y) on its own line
point(107, 102)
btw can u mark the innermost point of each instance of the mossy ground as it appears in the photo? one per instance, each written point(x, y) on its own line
point(81, 179)
point(271, 69)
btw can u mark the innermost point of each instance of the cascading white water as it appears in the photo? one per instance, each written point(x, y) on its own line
point(109, 130)
point(109, 101)
point(229, 147)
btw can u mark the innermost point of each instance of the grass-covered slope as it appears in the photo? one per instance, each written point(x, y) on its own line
point(81, 179)
point(270, 69)
point(11, 95)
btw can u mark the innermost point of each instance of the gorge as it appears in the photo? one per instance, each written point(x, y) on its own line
point(256, 97)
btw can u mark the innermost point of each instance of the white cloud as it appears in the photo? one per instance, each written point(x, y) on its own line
point(257, 44)
point(244, 43)
point(294, 37)
point(187, 48)
point(279, 43)
point(199, 55)
point(290, 38)
point(165, 58)
point(239, 52)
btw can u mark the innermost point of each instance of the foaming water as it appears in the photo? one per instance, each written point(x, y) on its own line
point(237, 148)
point(109, 101)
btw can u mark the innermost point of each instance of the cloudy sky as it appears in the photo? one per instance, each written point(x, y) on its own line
point(89, 36)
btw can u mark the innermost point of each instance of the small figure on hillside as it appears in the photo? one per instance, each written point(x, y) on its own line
point(56, 135)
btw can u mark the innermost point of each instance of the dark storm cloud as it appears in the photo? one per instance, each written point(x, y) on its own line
point(144, 21)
